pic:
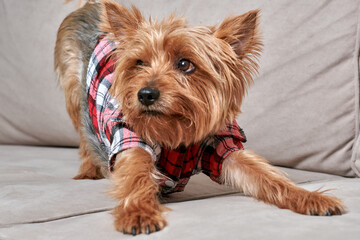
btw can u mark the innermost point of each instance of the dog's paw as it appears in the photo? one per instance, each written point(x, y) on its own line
point(91, 172)
point(138, 221)
point(318, 204)
point(91, 176)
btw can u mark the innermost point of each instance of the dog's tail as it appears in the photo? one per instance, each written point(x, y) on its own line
point(80, 3)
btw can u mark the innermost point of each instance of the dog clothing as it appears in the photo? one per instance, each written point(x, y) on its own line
point(176, 165)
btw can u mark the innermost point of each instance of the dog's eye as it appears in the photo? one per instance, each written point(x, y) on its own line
point(139, 63)
point(185, 66)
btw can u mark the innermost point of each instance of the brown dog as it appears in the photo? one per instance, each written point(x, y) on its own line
point(156, 102)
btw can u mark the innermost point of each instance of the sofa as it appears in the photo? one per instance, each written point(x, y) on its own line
point(302, 114)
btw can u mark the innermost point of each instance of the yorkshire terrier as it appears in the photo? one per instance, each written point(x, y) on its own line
point(155, 103)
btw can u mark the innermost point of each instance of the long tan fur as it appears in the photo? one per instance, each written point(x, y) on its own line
point(192, 106)
point(218, 86)
point(139, 209)
point(252, 174)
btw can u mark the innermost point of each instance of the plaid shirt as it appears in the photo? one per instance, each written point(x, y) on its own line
point(175, 165)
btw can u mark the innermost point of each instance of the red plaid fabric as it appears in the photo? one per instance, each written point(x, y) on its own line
point(207, 157)
point(104, 111)
point(175, 165)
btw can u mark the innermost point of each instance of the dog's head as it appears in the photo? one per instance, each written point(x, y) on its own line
point(177, 84)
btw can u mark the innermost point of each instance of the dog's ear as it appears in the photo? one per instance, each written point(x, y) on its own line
point(119, 20)
point(241, 33)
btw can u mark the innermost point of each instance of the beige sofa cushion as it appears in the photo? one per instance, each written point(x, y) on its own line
point(38, 181)
point(302, 112)
point(39, 200)
point(32, 109)
point(225, 217)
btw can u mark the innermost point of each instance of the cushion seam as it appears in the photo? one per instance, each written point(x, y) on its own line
point(356, 145)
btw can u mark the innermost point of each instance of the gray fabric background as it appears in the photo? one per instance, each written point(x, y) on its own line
point(302, 112)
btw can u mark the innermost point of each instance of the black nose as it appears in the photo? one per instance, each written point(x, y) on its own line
point(147, 96)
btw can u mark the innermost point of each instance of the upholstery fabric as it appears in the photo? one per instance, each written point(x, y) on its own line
point(39, 200)
point(38, 181)
point(225, 217)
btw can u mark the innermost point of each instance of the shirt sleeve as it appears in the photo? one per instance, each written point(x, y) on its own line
point(219, 147)
point(124, 138)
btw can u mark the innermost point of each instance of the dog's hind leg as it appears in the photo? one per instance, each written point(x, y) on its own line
point(252, 174)
point(69, 68)
point(88, 168)
point(69, 75)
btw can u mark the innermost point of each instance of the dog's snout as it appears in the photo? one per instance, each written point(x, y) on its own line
point(147, 96)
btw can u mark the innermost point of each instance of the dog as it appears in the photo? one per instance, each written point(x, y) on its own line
point(155, 102)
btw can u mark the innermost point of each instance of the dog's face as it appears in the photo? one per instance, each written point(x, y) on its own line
point(178, 84)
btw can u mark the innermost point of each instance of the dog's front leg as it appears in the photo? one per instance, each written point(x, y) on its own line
point(252, 174)
point(135, 188)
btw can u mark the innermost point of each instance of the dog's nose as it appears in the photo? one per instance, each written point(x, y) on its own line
point(147, 96)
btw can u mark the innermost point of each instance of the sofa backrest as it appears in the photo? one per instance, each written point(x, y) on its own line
point(302, 111)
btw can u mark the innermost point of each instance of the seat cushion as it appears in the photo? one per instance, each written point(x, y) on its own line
point(76, 209)
point(36, 185)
